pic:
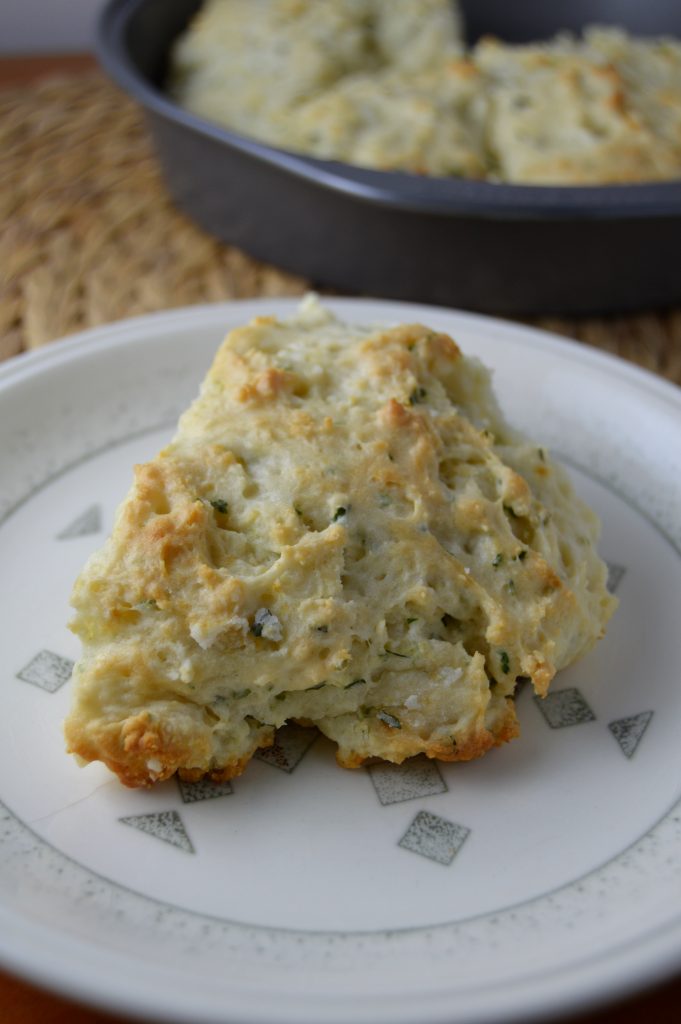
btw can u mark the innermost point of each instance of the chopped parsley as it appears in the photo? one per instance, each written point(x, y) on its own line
point(505, 662)
point(540, 453)
point(417, 396)
point(339, 513)
point(219, 504)
point(395, 654)
point(389, 720)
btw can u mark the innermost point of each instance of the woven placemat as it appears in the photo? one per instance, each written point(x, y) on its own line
point(88, 233)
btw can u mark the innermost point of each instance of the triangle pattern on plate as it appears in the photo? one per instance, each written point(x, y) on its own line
point(291, 744)
point(204, 789)
point(629, 731)
point(88, 522)
point(616, 574)
point(165, 825)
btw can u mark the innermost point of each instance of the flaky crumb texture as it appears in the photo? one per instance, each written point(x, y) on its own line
point(344, 531)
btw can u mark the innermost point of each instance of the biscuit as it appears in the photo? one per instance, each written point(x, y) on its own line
point(389, 84)
point(569, 112)
point(345, 532)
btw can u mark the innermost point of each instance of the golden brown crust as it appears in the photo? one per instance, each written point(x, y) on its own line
point(344, 531)
point(475, 745)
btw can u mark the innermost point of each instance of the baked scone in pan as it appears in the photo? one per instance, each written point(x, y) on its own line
point(344, 532)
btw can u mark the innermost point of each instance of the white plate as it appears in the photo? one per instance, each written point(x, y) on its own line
point(302, 892)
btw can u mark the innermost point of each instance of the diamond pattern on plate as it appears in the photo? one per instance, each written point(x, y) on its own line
point(192, 792)
point(290, 746)
point(565, 707)
point(165, 825)
point(47, 670)
point(417, 777)
point(615, 576)
point(629, 731)
point(89, 521)
point(434, 837)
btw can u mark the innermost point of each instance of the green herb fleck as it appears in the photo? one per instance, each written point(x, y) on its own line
point(497, 560)
point(355, 682)
point(395, 654)
point(505, 662)
point(417, 396)
point(219, 504)
point(339, 513)
point(389, 720)
point(540, 453)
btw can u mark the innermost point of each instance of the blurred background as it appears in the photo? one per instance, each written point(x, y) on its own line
point(91, 232)
point(70, 26)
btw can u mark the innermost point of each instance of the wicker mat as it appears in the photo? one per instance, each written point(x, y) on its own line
point(89, 235)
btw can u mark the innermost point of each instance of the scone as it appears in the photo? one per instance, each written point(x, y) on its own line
point(431, 122)
point(248, 64)
point(391, 85)
point(344, 532)
point(582, 112)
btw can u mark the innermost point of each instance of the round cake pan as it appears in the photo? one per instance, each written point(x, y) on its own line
point(498, 248)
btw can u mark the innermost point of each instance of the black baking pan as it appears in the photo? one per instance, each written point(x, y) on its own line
point(499, 248)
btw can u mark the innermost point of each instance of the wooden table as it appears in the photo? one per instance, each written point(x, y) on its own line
point(23, 1003)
